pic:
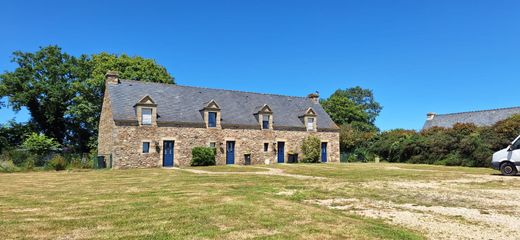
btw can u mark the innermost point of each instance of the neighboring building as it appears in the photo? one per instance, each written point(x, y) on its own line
point(479, 118)
point(152, 125)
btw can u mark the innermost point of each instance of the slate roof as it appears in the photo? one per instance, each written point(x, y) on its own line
point(479, 118)
point(183, 104)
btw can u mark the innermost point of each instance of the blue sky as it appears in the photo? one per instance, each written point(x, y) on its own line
point(417, 56)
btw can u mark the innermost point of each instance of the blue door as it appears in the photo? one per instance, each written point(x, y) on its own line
point(230, 152)
point(281, 152)
point(168, 153)
point(323, 152)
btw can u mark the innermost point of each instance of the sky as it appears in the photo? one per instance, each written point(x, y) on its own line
point(416, 56)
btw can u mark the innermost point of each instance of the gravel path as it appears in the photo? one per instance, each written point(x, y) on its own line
point(270, 171)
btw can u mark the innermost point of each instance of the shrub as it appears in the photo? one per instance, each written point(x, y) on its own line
point(311, 149)
point(40, 144)
point(460, 145)
point(8, 166)
point(202, 156)
point(57, 163)
point(18, 157)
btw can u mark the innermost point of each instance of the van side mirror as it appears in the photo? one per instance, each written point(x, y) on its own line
point(509, 148)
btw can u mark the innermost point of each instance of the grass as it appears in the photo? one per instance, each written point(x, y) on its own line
point(232, 168)
point(176, 204)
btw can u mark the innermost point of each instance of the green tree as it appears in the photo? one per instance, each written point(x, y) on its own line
point(363, 98)
point(40, 144)
point(311, 149)
point(42, 82)
point(85, 108)
point(12, 134)
point(64, 93)
point(356, 135)
point(342, 110)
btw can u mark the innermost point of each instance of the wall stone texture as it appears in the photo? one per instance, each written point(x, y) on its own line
point(127, 144)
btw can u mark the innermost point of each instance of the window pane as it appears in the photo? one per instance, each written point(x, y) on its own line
point(265, 124)
point(146, 147)
point(265, 121)
point(310, 123)
point(146, 116)
point(212, 144)
point(212, 119)
point(266, 147)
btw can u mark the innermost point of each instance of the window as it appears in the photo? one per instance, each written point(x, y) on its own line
point(310, 123)
point(212, 119)
point(266, 147)
point(146, 147)
point(515, 145)
point(212, 144)
point(265, 121)
point(146, 116)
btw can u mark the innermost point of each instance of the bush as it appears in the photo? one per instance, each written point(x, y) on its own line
point(202, 156)
point(311, 149)
point(40, 144)
point(57, 163)
point(461, 145)
point(8, 166)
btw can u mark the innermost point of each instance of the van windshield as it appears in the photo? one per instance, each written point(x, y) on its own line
point(515, 145)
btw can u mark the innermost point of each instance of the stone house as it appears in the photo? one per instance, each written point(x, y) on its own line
point(147, 124)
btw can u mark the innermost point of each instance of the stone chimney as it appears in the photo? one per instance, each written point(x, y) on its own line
point(314, 97)
point(112, 77)
point(430, 115)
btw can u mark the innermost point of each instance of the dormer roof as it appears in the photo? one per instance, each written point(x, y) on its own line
point(211, 105)
point(146, 101)
point(264, 109)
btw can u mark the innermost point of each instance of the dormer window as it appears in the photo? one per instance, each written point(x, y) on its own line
point(146, 116)
point(211, 113)
point(309, 120)
point(212, 119)
point(265, 121)
point(146, 111)
point(264, 115)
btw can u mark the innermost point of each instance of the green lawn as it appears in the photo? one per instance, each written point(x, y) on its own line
point(176, 204)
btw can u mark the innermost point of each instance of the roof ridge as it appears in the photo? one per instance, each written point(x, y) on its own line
point(476, 111)
point(221, 89)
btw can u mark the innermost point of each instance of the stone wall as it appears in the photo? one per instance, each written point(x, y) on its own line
point(127, 152)
point(106, 133)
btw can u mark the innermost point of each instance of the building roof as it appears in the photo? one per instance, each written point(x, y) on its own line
point(479, 118)
point(183, 104)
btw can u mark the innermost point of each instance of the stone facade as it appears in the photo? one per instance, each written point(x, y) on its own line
point(128, 142)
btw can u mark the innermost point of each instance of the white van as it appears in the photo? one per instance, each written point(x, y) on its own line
point(507, 160)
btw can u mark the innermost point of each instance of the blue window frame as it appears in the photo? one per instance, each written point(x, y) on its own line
point(146, 147)
point(265, 121)
point(212, 119)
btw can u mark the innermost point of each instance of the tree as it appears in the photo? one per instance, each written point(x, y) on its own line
point(86, 105)
point(64, 93)
point(42, 82)
point(12, 134)
point(342, 110)
point(40, 144)
point(311, 149)
point(364, 98)
point(356, 135)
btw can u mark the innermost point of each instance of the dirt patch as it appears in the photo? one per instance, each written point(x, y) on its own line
point(270, 171)
point(436, 222)
point(465, 211)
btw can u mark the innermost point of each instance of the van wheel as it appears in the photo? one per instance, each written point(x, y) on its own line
point(508, 169)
